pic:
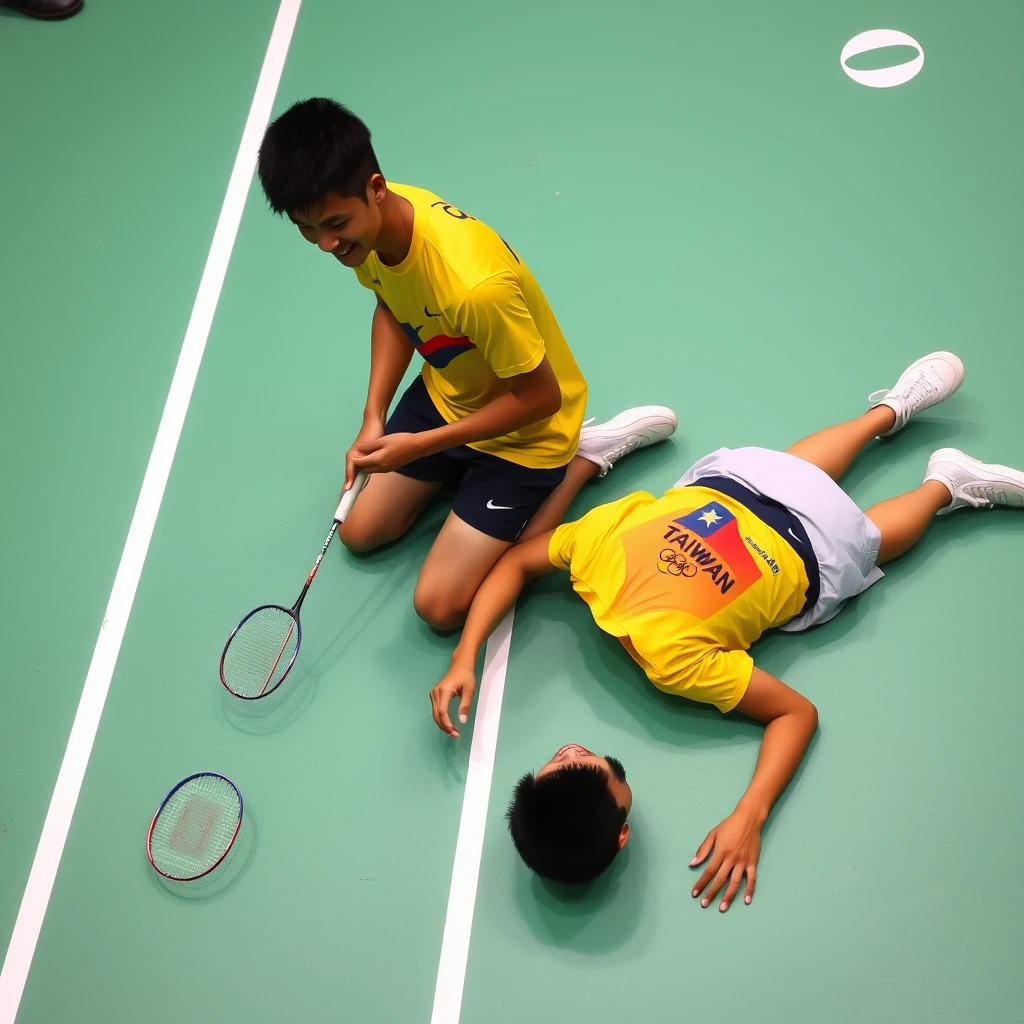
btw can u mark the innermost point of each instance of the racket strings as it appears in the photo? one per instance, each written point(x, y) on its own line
point(195, 827)
point(261, 652)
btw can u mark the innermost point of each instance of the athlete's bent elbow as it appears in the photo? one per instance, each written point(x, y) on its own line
point(550, 405)
point(812, 716)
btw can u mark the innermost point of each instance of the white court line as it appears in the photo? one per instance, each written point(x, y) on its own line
point(458, 922)
point(122, 595)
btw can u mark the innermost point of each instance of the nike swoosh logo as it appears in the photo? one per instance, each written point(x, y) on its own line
point(491, 505)
point(427, 311)
point(789, 530)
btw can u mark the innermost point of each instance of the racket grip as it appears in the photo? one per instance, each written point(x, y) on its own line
point(349, 497)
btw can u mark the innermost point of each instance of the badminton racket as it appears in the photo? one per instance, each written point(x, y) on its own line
point(194, 827)
point(262, 648)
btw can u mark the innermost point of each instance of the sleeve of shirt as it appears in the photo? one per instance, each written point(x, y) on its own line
point(495, 317)
point(715, 676)
point(562, 545)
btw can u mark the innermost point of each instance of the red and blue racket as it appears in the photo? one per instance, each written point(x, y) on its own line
point(194, 827)
point(262, 648)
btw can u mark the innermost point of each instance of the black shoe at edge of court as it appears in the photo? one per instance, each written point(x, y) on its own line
point(50, 10)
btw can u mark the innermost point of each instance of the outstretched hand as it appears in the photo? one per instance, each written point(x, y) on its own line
point(457, 682)
point(734, 847)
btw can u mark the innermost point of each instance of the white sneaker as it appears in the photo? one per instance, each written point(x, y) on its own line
point(973, 483)
point(606, 443)
point(923, 384)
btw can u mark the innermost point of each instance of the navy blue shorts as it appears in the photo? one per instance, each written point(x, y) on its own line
point(494, 496)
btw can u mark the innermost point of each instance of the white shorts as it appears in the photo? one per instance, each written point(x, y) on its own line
point(845, 541)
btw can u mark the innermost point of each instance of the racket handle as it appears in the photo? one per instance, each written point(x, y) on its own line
point(349, 497)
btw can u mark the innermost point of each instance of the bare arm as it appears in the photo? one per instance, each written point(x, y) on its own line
point(496, 595)
point(390, 354)
point(496, 316)
point(531, 397)
point(791, 721)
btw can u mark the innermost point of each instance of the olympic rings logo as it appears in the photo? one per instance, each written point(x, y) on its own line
point(675, 563)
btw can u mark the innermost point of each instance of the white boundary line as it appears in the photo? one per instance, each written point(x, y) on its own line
point(458, 922)
point(122, 595)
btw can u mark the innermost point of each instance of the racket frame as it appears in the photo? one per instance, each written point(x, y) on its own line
point(294, 613)
point(344, 507)
point(163, 804)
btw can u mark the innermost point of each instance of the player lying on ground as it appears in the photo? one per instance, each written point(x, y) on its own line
point(499, 405)
point(748, 540)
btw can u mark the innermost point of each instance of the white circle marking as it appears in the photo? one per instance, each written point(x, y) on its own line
point(882, 78)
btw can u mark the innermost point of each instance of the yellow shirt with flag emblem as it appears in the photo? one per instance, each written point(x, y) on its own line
point(687, 581)
point(476, 315)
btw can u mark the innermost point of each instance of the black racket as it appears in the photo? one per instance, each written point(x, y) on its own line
point(262, 648)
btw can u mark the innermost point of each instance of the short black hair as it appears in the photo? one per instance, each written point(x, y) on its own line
point(315, 147)
point(566, 824)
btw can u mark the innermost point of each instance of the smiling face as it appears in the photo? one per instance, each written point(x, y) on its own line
point(346, 227)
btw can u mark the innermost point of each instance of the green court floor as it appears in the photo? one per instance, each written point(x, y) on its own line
point(724, 223)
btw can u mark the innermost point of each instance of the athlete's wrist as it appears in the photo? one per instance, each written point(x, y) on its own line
point(430, 442)
point(754, 806)
point(464, 655)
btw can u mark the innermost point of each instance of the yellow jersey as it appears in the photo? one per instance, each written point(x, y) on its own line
point(687, 581)
point(474, 312)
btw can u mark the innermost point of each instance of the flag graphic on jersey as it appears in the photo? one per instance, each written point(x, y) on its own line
point(696, 563)
point(439, 350)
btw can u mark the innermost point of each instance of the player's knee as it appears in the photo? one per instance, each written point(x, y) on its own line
point(360, 537)
point(438, 610)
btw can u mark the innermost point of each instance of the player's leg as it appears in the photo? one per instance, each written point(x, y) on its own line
point(601, 446)
point(500, 502)
point(456, 565)
point(391, 502)
point(552, 512)
point(835, 447)
point(387, 506)
point(923, 384)
point(954, 480)
point(903, 520)
point(494, 502)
